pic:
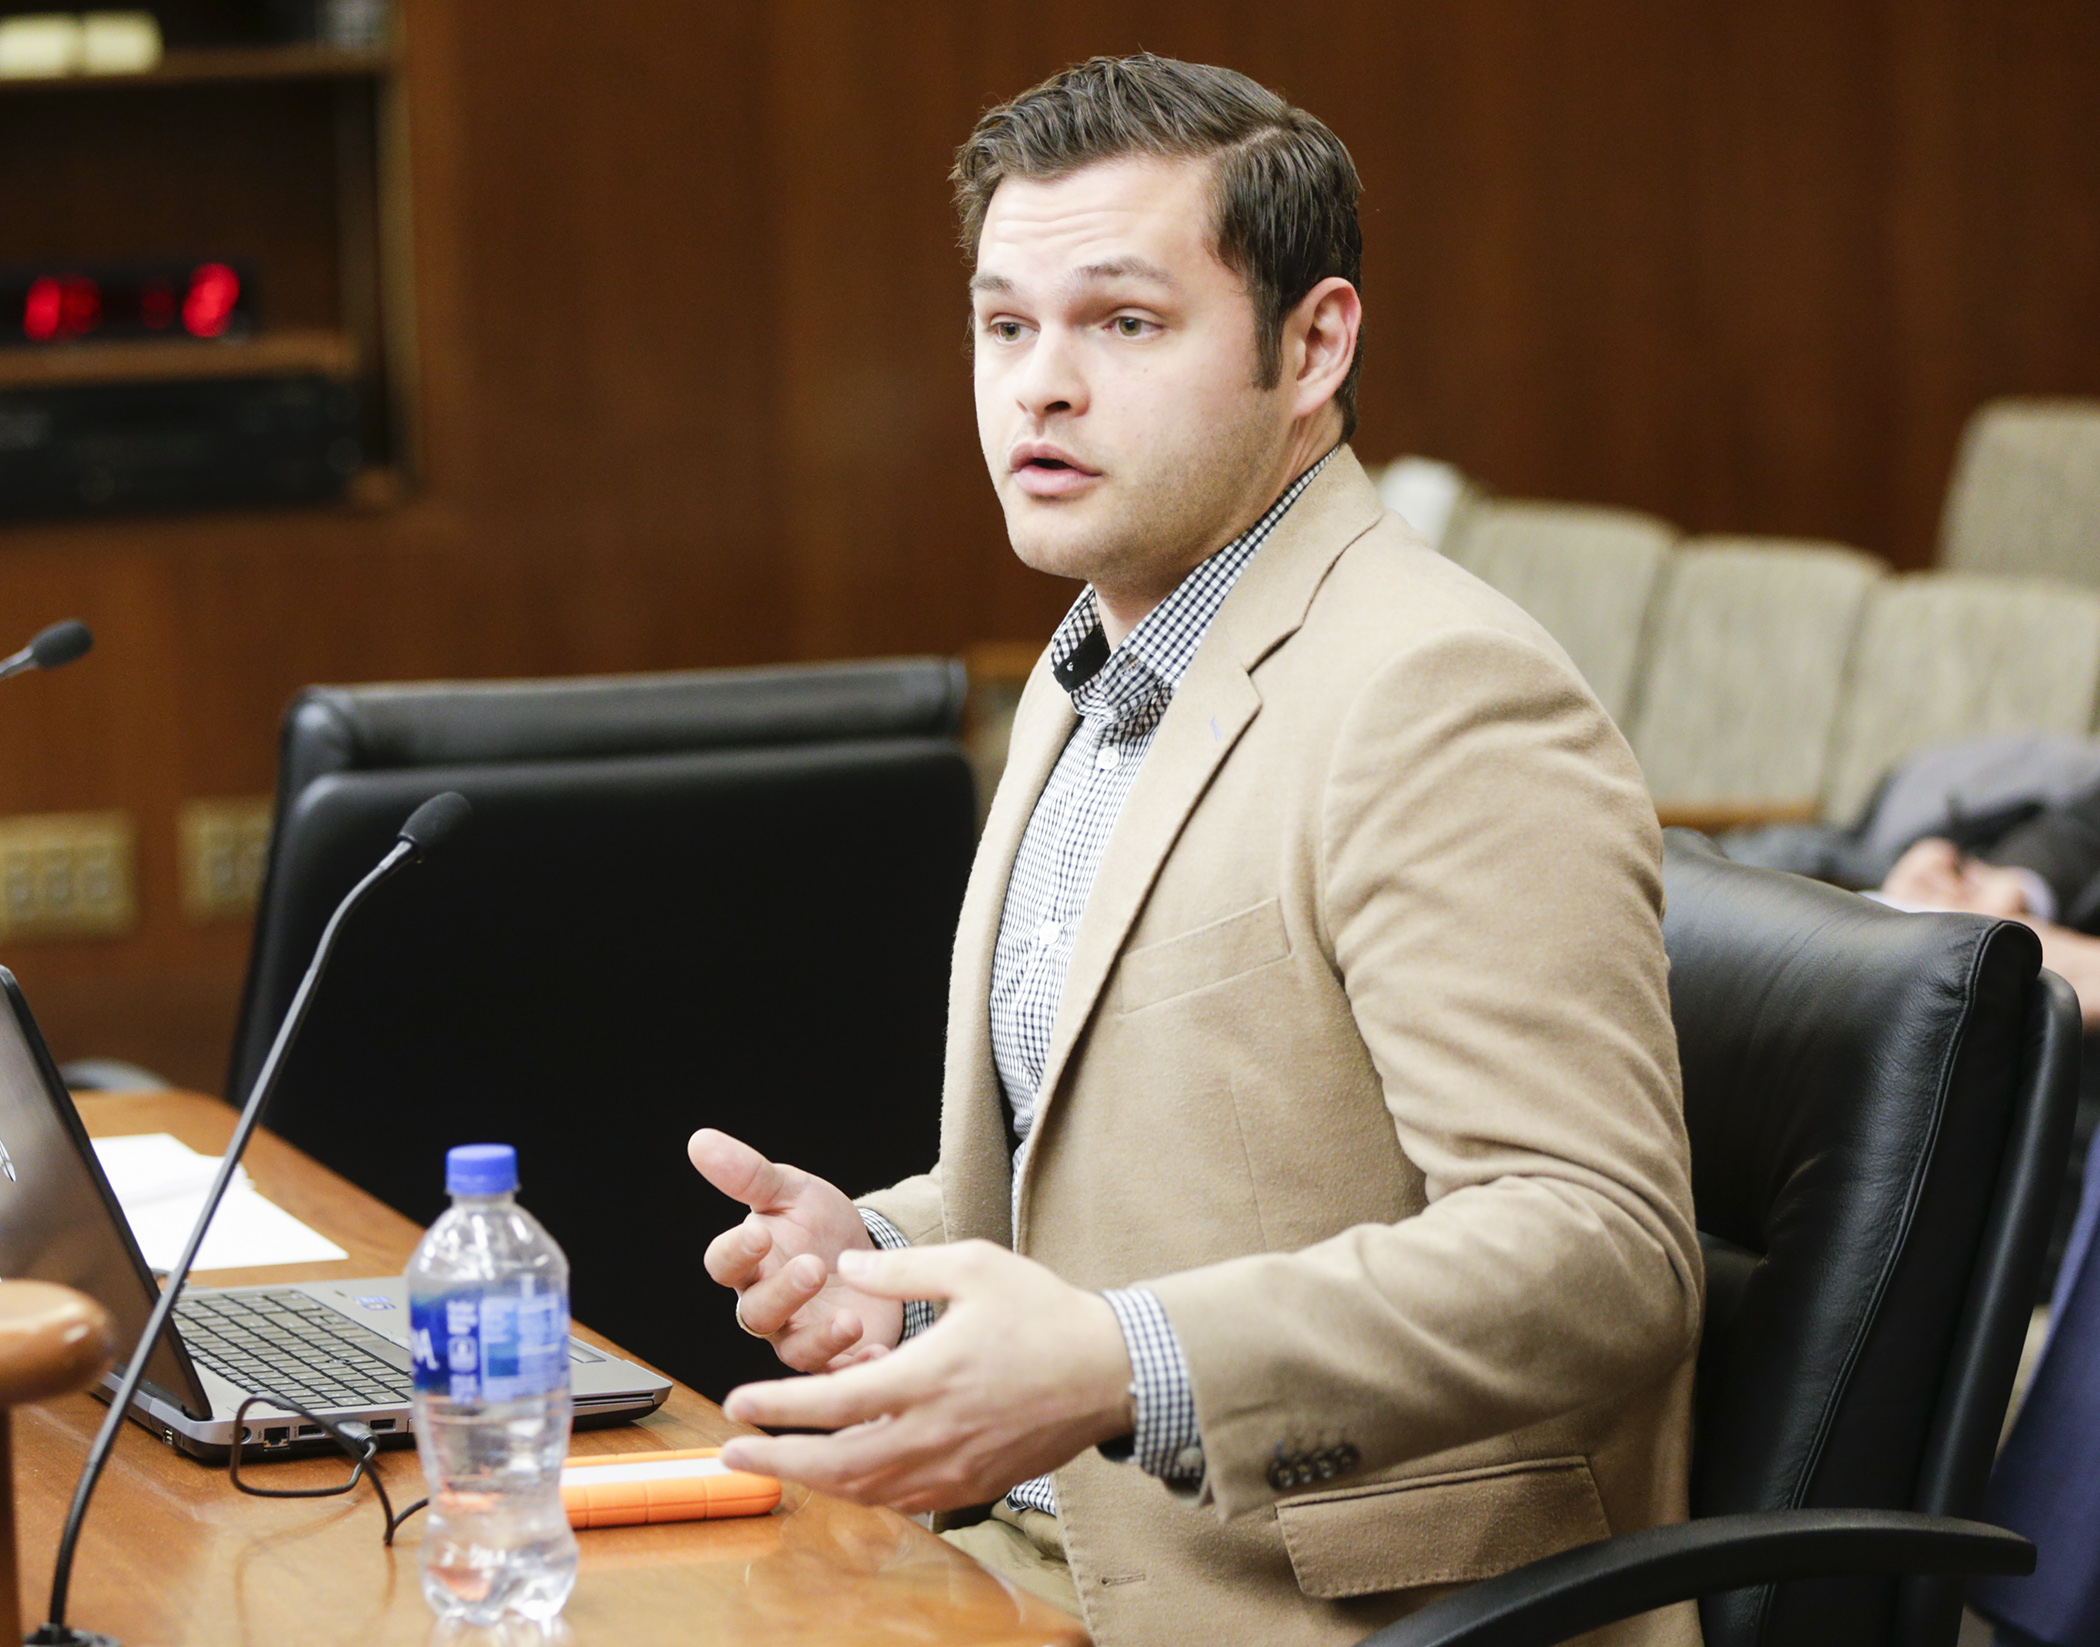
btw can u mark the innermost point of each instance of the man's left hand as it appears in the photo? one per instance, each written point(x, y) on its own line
point(1021, 1373)
point(1936, 874)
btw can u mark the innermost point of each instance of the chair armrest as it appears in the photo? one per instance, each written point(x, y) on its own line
point(1594, 1584)
point(53, 1341)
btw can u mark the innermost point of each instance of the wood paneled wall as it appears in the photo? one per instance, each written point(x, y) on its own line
point(693, 390)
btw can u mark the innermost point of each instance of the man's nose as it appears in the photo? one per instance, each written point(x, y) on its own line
point(1051, 380)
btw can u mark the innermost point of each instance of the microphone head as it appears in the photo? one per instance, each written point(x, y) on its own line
point(60, 644)
point(436, 818)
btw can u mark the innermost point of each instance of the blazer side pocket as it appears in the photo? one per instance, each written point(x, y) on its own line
point(1442, 1529)
point(1209, 954)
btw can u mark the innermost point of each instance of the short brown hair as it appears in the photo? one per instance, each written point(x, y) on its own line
point(1284, 189)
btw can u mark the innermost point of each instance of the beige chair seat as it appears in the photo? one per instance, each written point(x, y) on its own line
point(1943, 656)
point(1587, 573)
point(2025, 497)
point(1746, 671)
point(1432, 496)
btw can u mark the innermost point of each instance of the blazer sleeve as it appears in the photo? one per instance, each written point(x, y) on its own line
point(2062, 845)
point(914, 1206)
point(1490, 883)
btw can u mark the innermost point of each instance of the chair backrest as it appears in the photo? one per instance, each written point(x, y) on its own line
point(1878, 1105)
point(721, 899)
point(1587, 573)
point(1746, 664)
point(1943, 656)
point(465, 723)
point(2025, 493)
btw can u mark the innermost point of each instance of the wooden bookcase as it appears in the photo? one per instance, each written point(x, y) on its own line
point(289, 160)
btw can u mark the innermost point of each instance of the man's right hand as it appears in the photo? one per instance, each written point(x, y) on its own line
point(782, 1260)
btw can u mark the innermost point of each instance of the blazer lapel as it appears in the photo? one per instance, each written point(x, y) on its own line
point(976, 1169)
point(1212, 707)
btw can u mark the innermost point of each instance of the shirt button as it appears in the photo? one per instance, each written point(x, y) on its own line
point(1108, 758)
point(1189, 1461)
point(1048, 932)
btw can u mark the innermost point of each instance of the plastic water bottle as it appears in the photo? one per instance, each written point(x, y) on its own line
point(489, 1312)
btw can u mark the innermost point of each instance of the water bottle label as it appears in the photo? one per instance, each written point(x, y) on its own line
point(495, 1346)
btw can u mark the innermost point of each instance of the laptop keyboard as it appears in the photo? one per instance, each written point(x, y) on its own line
point(285, 1343)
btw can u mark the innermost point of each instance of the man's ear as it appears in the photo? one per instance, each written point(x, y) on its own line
point(1319, 343)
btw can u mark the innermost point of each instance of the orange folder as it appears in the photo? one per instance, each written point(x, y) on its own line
point(625, 1489)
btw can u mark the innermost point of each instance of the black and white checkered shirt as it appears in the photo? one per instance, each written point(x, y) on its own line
point(1120, 697)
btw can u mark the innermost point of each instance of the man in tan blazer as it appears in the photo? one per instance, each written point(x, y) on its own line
point(1313, 1195)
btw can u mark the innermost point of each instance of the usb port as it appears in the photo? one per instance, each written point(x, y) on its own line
point(382, 1423)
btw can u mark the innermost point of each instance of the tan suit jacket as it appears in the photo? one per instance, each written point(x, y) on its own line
point(1364, 1064)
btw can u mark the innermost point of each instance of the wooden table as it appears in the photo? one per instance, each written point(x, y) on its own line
point(172, 1554)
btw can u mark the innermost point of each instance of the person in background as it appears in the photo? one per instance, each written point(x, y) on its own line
point(2045, 872)
point(1312, 1228)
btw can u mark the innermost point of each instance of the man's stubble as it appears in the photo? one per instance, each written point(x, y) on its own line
point(1178, 510)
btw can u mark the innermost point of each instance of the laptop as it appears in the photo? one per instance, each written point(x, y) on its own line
point(338, 1347)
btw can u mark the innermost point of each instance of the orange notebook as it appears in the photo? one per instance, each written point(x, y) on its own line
point(624, 1489)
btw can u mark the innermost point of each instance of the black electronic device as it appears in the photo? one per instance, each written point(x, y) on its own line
point(112, 448)
point(55, 304)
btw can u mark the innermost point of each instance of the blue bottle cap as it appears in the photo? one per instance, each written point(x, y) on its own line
point(481, 1169)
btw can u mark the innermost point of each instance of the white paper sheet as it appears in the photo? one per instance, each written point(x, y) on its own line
point(160, 1182)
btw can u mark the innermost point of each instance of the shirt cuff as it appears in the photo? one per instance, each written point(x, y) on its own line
point(2040, 896)
point(918, 1312)
point(1165, 1442)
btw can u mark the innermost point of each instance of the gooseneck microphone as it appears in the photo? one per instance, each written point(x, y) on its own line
point(53, 648)
point(429, 824)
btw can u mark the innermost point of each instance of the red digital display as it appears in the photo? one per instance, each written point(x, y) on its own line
point(197, 301)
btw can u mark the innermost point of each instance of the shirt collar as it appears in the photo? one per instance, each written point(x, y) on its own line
point(1157, 653)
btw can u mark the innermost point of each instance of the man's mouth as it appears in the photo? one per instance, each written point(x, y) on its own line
point(1046, 471)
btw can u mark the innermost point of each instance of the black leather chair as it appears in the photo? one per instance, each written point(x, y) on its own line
point(1878, 1106)
point(717, 898)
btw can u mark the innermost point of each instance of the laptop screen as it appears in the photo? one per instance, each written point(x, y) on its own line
point(58, 1219)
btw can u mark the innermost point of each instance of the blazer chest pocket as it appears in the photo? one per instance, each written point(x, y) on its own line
point(1443, 1529)
point(1210, 954)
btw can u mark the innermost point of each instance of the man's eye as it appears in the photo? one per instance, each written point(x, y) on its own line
point(1005, 331)
point(1130, 326)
